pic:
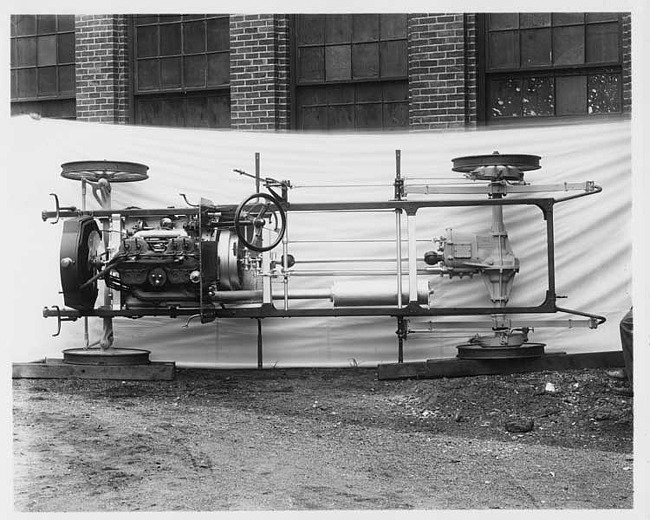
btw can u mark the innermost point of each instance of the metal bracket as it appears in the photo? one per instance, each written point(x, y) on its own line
point(59, 320)
point(188, 202)
point(57, 211)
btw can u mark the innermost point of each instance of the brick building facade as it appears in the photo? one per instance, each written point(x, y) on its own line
point(279, 72)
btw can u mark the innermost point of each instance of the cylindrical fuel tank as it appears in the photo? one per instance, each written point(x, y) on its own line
point(376, 292)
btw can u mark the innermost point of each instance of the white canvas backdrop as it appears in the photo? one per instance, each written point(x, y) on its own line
point(593, 234)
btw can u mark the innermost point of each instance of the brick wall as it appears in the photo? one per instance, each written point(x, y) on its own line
point(437, 77)
point(259, 72)
point(102, 68)
point(471, 70)
point(626, 45)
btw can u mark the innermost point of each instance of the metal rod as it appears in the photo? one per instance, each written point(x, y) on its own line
point(401, 334)
point(433, 326)
point(285, 263)
point(299, 186)
point(412, 264)
point(550, 244)
point(259, 343)
point(432, 189)
point(407, 205)
point(398, 227)
point(344, 260)
point(86, 336)
point(269, 311)
point(398, 252)
point(352, 240)
point(359, 272)
point(257, 172)
point(347, 210)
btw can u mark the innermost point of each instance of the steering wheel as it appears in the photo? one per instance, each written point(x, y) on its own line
point(257, 217)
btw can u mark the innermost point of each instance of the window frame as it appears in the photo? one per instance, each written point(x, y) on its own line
point(553, 71)
point(297, 83)
point(137, 94)
point(137, 91)
point(57, 32)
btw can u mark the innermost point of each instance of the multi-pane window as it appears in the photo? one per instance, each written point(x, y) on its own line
point(552, 64)
point(182, 70)
point(351, 71)
point(42, 59)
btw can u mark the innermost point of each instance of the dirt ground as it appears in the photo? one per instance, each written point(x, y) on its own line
point(320, 439)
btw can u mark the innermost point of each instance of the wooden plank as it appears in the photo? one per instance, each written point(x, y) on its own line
point(57, 369)
point(437, 368)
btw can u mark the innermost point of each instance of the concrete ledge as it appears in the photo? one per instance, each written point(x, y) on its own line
point(437, 368)
point(57, 369)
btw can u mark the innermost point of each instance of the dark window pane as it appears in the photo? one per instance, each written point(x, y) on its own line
point(604, 93)
point(170, 39)
point(51, 108)
point(311, 29)
point(505, 98)
point(503, 50)
point(568, 18)
point(311, 64)
point(365, 61)
point(196, 113)
point(46, 23)
point(170, 72)
point(569, 45)
point(312, 96)
point(218, 34)
point(602, 43)
point(571, 95)
point(601, 17)
point(147, 112)
point(396, 115)
point(172, 112)
point(26, 83)
point(338, 63)
point(365, 27)
point(340, 117)
point(147, 41)
point(219, 109)
point(166, 18)
point(193, 37)
point(396, 91)
point(369, 115)
point(499, 21)
point(193, 16)
point(218, 69)
point(535, 20)
point(393, 59)
point(66, 79)
point(46, 50)
point(25, 52)
point(146, 18)
point(23, 25)
point(340, 94)
point(194, 71)
point(184, 110)
point(314, 118)
point(538, 98)
point(338, 28)
point(148, 75)
point(392, 26)
point(66, 22)
point(14, 84)
point(369, 92)
point(535, 47)
point(66, 48)
point(47, 81)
